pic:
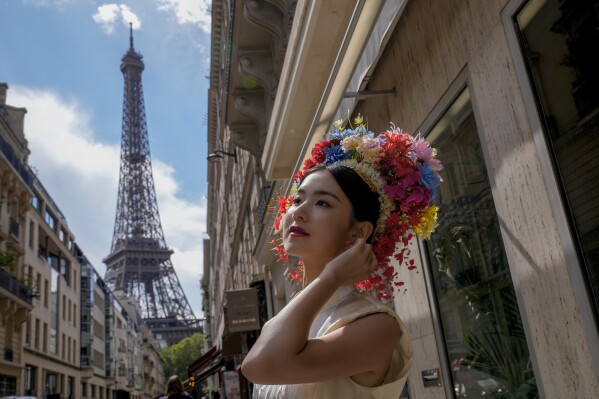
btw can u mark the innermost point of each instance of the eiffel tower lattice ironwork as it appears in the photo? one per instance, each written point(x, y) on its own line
point(139, 263)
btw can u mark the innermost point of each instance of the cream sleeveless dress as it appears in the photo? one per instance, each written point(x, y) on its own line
point(345, 306)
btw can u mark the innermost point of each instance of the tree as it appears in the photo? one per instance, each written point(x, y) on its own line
point(180, 355)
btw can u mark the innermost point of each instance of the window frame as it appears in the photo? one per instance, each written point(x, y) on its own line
point(462, 82)
point(563, 221)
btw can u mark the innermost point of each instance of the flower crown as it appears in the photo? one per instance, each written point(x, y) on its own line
point(403, 171)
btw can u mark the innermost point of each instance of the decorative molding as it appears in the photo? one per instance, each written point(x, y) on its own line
point(251, 103)
point(259, 64)
point(249, 137)
point(266, 16)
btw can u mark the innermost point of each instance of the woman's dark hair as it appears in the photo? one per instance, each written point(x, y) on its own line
point(174, 385)
point(365, 202)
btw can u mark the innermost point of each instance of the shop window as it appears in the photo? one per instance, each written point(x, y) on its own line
point(559, 42)
point(8, 385)
point(30, 373)
point(480, 321)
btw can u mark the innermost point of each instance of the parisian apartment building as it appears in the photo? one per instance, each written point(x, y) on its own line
point(63, 334)
point(504, 301)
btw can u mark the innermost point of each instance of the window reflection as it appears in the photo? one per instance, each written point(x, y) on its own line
point(480, 319)
point(559, 41)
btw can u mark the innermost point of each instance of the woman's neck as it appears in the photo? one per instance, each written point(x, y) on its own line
point(312, 269)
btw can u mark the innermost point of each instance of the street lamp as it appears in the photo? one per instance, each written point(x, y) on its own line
point(219, 154)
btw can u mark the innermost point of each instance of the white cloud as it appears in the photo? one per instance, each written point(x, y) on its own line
point(81, 174)
point(108, 16)
point(196, 12)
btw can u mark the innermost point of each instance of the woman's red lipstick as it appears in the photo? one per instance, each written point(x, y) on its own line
point(296, 231)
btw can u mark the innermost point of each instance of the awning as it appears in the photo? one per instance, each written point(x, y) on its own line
point(204, 360)
point(204, 366)
point(211, 369)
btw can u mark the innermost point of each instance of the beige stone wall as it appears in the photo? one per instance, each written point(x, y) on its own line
point(433, 42)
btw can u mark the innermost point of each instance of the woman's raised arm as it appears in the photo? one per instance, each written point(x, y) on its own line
point(284, 355)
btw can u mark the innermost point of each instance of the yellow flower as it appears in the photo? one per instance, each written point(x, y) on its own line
point(359, 120)
point(428, 222)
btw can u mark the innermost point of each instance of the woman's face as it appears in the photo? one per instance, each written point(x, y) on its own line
point(318, 226)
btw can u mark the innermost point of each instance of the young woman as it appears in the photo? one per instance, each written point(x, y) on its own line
point(354, 200)
point(174, 389)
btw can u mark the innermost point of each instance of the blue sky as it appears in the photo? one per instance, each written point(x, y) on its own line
point(61, 58)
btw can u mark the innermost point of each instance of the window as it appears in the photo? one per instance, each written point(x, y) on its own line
point(8, 385)
point(51, 383)
point(38, 283)
point(46, 293)
point(30, 372)
point(64, 236)
point(54, 314)
point(31, 234)
point(50, 220)
point(65, 267)
point(35, 203)
point(559, 42)
point(70, 387)
point(45, 338)
point(37, 333)
point(480, 321)
point(28, 332)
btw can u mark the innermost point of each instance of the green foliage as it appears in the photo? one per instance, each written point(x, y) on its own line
point(7, 259)
point(177, 357)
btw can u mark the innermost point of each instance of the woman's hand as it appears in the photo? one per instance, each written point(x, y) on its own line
point(353, 265)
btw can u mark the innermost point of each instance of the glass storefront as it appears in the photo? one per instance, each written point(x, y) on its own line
point(480, 320)
point(559, 40)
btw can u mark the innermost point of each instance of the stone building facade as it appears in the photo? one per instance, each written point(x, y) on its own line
point(505, 299)
point(58, 319)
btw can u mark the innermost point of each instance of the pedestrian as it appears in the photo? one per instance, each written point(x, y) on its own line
point(355, 198)
point(174, 389)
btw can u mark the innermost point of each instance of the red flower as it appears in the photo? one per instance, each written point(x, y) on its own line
point(384, 246)
point(295, 275)
point(277, 224)
point(318, 155)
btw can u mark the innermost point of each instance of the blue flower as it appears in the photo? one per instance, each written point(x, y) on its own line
point(430, 179)
point(350, 132)
point(335, 135)
point(335, 153)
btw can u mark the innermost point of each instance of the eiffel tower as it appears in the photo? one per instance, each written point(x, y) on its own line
point(139, 263)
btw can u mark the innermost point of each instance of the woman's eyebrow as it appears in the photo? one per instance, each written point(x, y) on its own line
point(320, 192)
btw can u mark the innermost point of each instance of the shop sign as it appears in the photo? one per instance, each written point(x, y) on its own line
point(242, 310)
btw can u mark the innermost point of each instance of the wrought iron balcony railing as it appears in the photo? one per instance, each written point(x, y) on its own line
point(14, 286)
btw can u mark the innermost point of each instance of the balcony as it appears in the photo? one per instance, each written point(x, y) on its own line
point(14, 286)
point(87, 373)
point(13, 159)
